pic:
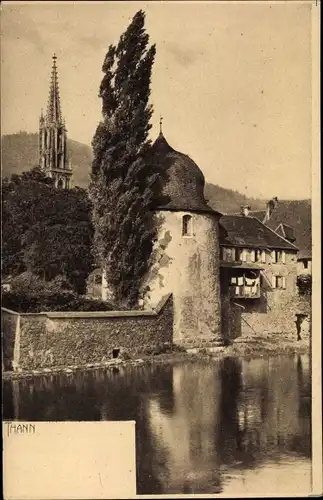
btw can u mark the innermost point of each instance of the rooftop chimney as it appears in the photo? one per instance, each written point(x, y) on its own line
point(245, 209)
point(271, 205)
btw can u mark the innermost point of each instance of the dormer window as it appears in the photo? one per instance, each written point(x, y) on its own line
point(187, 225)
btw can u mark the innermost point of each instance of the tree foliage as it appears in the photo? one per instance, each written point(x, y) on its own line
point(29, 293)
point(304, 283)
point(124, 181)
point(46, 231)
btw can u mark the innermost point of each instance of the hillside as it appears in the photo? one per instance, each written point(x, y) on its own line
point(228, 201)
point(298, 215)
point(20, 152)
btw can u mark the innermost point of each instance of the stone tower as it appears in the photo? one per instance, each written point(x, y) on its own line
point(53, 158)
point(186, 253)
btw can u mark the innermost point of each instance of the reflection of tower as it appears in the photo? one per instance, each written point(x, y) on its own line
point(52, 137)
point(185, 434)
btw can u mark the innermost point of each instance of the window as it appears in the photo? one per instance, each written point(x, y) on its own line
point(187, 225)
point(278, 256)
point(252, 254)
point(305, 264)
point(98, 279)
point(228, 254)
point(60, 184)
point(279, 282)
point(260, 256)
point(240, 255)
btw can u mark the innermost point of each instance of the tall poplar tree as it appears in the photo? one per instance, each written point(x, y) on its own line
point(124, 183)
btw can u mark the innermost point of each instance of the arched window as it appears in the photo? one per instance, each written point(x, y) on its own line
point(60, 184)
point(187, 225)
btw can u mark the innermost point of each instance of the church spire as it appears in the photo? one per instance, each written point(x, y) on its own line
point(53, 114)
point(53, 154)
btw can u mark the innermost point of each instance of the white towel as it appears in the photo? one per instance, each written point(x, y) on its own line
point(233, 280)
point(240, 281)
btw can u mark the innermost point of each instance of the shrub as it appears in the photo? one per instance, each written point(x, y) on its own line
point(85, 304)
point(31, 294)
point(35, 303)
point(304, 283)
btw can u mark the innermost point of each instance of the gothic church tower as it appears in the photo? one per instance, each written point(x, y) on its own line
point(53, 158)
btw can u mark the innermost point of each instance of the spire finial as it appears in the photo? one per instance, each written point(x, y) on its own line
point(53, 107)
point(160, 124)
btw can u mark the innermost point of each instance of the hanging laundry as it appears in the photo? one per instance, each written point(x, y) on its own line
point(237, 290)
point(240, 281)
point(233, 280)
point(250, 282)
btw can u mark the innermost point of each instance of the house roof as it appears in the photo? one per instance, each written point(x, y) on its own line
point(295, 214)
point(286, 231)
point(246, 231)
point(258, 214)
point(183, 184)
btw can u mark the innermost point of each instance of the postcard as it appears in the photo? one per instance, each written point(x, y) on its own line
point(161, 308)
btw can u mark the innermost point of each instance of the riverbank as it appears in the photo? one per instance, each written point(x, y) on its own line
point(244, 347)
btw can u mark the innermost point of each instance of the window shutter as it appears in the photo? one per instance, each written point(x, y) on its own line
point(273, 255)
point(273, 281)
point(263, 257)
point(284, 282)
point(283, 257)
point(253, 255)
point(244, 255)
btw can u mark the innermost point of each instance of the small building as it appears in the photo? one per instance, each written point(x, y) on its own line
point(258, 277)
point(291, 219)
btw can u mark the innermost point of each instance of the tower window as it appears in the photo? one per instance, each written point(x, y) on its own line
point(187, 225)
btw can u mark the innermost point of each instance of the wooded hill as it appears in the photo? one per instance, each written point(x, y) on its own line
point(20, 153)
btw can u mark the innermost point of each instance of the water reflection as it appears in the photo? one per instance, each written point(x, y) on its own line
point(199, 424)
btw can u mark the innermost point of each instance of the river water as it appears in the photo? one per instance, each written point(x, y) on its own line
point(221, 426)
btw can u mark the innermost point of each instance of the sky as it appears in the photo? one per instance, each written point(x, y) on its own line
point(231, 80)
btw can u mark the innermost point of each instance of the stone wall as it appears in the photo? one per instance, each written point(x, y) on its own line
point(188, 267)
point(75, 338)
point(9, 320)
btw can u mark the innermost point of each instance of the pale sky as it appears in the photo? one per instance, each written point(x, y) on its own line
point(231, 80)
